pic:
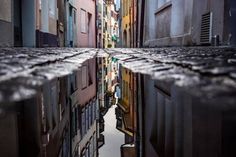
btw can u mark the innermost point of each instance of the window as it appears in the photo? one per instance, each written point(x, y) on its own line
point(74, 17)
point(105, 26)
point(87, 117)
point(123, 89)
point(90, 79)
point(76, 120)
point(52, 7)
point(91, 147)
point(73, 123)
point(126, 90)
point(124, 7)
point(94, 110)
point(83, 122)
point(99, 8)
point(40, 4)
point(94, 142)
point(90, 114)
point(54, 101)
point(83, 22)
point(84, 77)
point(79, 121)
point(127, 8)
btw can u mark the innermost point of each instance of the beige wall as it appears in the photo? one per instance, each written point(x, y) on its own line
point(52, 26)
point(6, 31)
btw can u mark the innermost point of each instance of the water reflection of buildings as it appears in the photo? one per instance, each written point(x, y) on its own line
point(84, 112)
point(126, 112)
point(117, 82)
point(51, 111)
point(107, 23)
point(107, 81)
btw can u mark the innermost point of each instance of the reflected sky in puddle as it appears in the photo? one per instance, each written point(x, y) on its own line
point(113, 138)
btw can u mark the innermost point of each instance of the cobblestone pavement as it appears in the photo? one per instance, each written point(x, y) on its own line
point(205, 71)
point(29, 63)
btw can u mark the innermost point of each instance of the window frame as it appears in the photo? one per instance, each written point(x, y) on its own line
point(83, 21)
point(84, 74)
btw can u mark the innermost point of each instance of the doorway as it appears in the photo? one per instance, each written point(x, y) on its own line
point(17, 23)
point(125, 39)
point(24, 23)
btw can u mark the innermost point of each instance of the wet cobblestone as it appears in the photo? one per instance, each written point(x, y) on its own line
point(186, 67)
point(198, 81)
point(205, 72)
point(32, 64)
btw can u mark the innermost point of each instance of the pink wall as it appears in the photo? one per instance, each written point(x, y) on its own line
point(86, 39)
point(88, 93)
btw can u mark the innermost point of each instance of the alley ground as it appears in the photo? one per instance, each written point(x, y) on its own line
point(113, 138)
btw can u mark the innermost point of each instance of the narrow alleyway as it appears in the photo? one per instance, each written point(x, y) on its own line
point(173, 102)
point(113, 138)
point(117, 78)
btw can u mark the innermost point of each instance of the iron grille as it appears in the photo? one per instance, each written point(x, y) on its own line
point(206, 28)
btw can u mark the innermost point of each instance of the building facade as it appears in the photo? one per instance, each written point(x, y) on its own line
point(86, 24)
point(184, 22)
point(126, 112)
point(71, 36)
point(18, 26)
point(46, 23)
point(128, 28)
point(85, 111)
point(43, 23)
point(109, 24)
point(37, 23)
point(99, 24)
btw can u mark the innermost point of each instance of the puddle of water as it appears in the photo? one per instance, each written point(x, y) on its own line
point(113, 138)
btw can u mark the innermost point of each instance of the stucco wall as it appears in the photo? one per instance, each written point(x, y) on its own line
point(163, 23)
point(180, 23)
point(150, 23)
point(6, 37)
point(5, 10)
point(201, 7)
